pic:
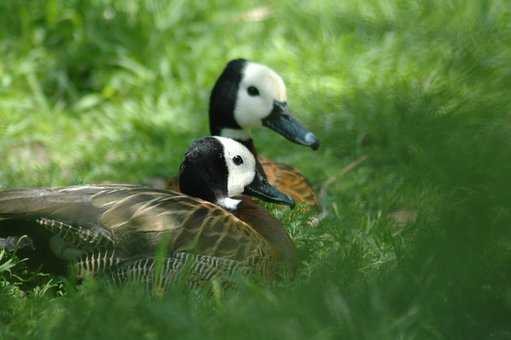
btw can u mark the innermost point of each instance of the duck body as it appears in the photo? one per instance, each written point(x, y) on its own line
point(115, 228)
point(132, 221)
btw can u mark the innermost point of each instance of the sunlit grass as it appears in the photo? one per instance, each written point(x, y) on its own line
point(415, 242)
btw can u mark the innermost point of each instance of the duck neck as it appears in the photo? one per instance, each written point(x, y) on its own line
point(239, 135)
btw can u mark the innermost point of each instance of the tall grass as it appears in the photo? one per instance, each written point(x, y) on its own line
point(103, 90)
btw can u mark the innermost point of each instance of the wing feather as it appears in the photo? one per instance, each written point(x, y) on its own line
point(137, 220)
point(290, 181)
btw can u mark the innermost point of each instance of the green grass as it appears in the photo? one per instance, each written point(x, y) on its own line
point(101, 90)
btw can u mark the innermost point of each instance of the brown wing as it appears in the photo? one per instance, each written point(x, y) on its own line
point(137, 220)
point(289, 180)
point(185, 224)
point(67, 212)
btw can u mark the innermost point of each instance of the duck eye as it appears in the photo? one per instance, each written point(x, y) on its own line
point(253, 91)
point(237, 160)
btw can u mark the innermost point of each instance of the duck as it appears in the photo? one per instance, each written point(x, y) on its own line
point(118, 228)
point(249, 95)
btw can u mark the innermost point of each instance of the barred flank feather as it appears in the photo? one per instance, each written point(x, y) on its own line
point(77, 236)
point(195, 269)
point(96, 263)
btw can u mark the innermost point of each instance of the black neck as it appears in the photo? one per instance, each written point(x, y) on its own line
point(216, 130)
point(222, 100)
point(249, 143)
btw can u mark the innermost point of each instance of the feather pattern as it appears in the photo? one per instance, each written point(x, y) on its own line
point(95, 263)
point(111, 223)
point(290, 181)
point(75, 235)
point(160, 274)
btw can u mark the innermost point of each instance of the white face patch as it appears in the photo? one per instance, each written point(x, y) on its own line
point(240, 166)
point(260, 86)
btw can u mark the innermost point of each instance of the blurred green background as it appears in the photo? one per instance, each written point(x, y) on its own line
point(416, 242)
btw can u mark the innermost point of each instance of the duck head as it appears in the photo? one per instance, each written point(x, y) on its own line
point(219, 169)
point(248, 95)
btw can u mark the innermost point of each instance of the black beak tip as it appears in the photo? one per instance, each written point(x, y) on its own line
point(287, 200)
point(292, 203)
point(312, 141)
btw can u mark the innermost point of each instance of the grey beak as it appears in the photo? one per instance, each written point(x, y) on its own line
point(281, 121)
point(260, 188)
